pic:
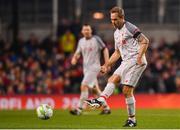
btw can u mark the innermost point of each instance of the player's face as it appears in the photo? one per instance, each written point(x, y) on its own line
point(87, 31)
point(116, 20)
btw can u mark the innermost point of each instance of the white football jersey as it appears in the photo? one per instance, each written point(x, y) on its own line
point(126, 41)
point(91, 52)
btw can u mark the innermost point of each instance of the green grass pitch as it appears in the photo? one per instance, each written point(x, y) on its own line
point(147, 119)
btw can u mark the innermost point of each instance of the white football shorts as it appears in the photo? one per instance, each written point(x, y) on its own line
point(130, 72)
point(90, 78)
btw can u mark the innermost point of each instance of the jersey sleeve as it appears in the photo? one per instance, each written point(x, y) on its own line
point(115, 47)
point(135, 31)
point(101, 43)
point(115, 43)
point(78, 49)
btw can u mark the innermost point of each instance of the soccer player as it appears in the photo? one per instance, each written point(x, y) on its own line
point(131, 45)
point(90, 46)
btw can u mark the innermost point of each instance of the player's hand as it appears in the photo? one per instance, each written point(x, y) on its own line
point(73, 61)
point(139, 60)
point(104, 69)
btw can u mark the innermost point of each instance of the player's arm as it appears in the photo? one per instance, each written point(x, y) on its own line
point(106, 55)
point(144, 42)
point(104, 48)
point(75, 58)
point(77, 54)
point(114, 57)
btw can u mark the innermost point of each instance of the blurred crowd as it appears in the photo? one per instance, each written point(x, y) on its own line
point(163, 72)
point(43, 67)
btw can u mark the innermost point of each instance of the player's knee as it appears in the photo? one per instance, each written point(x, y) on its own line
point(84, 87)
point(127, 91)
point(124, 91)
point(114, 79)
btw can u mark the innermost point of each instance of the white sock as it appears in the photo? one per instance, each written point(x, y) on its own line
point(105, 105)
point(132, 119)
point(130, 102)
point(108, 91)
point(83, 97)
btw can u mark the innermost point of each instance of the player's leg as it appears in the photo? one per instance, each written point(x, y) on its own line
point(130, 102)
point(83, 96)
point(97, 89)
point(88, 82)
point(108, 91)
point(106, 108)
point(130, 78)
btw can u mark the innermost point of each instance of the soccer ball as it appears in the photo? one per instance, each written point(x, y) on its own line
point(44, 111)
